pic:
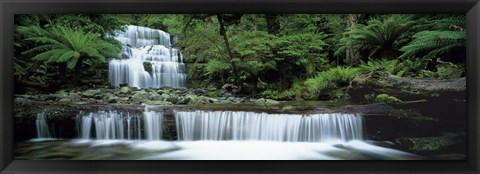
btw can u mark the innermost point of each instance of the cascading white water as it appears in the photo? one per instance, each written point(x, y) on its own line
point(229, 125)
point(116, 125)
point(146, 47)
point(42, 126)
point(153, 125)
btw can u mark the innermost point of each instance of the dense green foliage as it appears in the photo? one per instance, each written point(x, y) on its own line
point(448, 37)
point(377, 37)
point(52, 51)
point(277, 56)
point(65, 45)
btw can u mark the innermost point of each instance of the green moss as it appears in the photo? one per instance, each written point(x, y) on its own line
point(387, 98)
point(447, 70)
point(426, 143)
point(212, 94)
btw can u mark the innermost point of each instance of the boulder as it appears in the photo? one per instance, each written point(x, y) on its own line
point(158, 103)
point(266, 101)
point(173, 99)
point(365, 88)
point(423, 144)
point(271, 102)
point(139, 97)
point(65, 100)
point(91, 92)
point(185, 100)
point(125, 90)
point(112, 100)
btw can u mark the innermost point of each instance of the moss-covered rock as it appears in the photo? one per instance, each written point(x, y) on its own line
point(387, 98)
point(423, 144)
point(148, 67)
point(408, 89)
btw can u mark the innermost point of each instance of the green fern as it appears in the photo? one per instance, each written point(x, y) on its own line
point(382, 65)
point(446, 35)
point(65, 45)
point(327, 81)
point(434, 43)
point(377, 37)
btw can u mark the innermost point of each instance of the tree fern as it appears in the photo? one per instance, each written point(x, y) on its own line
point(65, 45)
point(446, 35)
point(434, 43)
point(377, 37)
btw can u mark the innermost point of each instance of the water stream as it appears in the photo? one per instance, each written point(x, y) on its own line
point(42, 126)
point(211, 135)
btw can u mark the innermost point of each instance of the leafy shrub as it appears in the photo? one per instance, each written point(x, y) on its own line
point(324, 84)
point(382, 65)
point(413, 66)
point(290, 94)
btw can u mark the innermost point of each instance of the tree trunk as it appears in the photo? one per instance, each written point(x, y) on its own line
point(223, 32)
point(353, 54)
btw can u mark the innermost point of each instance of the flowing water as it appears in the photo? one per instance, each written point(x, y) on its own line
point(228, 125)
point(112, 125)
point(42, 126)
point(147, 60)
point(212, 135)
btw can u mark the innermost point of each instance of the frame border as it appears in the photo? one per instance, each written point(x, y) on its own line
point(10, 7)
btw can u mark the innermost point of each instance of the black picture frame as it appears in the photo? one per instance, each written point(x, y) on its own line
point(10, 7)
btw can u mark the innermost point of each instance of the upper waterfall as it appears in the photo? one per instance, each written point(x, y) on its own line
point(148, 60)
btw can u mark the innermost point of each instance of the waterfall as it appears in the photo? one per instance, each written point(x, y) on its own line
point(147, 60)
point(153, 125)
point(230, 125)
point(42, 126)
point(116, 125)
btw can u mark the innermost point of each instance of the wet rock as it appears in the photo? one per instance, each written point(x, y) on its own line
point(125, 90)
point(65, 100)
point(422, 144)
point(406, 89)
point(112, 100)
point(271, 102)
point(165, 96)
point(74, 97)
point(91, 92)
point(229, 87)
point(266, 101)
point(139, 97)
point(211, 100)
point(158, 103)
point(49, 97)
point(173, 99)
point(155, 96)
point(184, 101)
point(180, 92)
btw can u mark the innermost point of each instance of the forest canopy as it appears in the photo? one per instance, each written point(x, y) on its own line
point(276, 56)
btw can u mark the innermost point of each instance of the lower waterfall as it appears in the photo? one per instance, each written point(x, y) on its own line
point(116, 125)
point(219, 135)
point(42, 126)
point(229, 125)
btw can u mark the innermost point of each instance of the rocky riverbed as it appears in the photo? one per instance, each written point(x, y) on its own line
point(129, 95)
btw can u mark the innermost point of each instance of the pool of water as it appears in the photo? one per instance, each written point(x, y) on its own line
point(80, 149)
